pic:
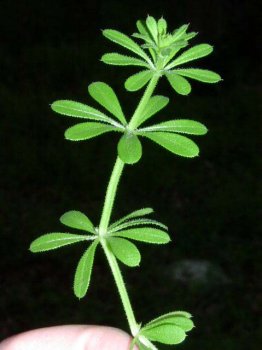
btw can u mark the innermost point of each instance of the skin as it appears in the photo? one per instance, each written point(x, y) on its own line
point(75, 337)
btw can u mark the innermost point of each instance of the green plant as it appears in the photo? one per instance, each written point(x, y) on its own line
point(157, 57)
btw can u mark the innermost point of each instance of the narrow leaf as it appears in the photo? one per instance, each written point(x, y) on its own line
point(166, 334)
point(178, 83)
point(138, 80)
point(80, 110)
point(56, 240)
point(105, 96)
point(152, 27)
point(85, 131)
point(84, 271)
point(145, 234)
point(133, 214)
point(184, 126)
point(154, 105)
point(78, 220)
point(162, 26)
point(123, 40)
point(125, 251)
point(191, 54)
point(137, 222)
point(117, 59)
point(129, 148)
point(204, 75)
point(174, 143)
point(178, 33)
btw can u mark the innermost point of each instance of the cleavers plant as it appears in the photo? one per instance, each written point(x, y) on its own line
point(158, 56)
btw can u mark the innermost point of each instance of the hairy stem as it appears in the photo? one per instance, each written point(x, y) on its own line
point(110, 196)
point(147, 94)
point(134, 327)
point(107, 211)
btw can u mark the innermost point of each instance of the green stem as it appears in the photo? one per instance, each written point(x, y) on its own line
point(134, 327)
point(110, 196)
point(107, 210)
point(147, 94)
point(104, 222)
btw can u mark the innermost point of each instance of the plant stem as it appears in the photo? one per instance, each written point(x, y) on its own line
point(107, 210)
point(134, 327)
point(110, 196)
point(147, 94)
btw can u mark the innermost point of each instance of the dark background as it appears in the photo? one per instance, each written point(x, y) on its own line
point(50, 50)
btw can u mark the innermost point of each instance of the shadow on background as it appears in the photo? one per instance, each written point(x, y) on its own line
point(51, 51)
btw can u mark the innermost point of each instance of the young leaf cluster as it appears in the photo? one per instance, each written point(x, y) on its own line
point(162, 58)
point(134, 226)
point(169, 329)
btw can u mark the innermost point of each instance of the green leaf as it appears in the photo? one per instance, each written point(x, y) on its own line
point(204, 75)
point(166, 334)
point(152, 27)
point(106, 97)
point(154, 105)
point(85, 131)
point(129, 148)
point(133, 214)
point(80, 110)
point(137, 222)
point(162, 26)
point(78, 220)
point(56, 240)
point(178, 83)
point(174, 143)
point(137, 81)
point(125, 251)
point(178, 33)
point(84, 271)
point(142, 28)
point(117, 59)
point(172, 318)
point(191, 54)
point(123, 40)
point(145, 234)
point(184, 126)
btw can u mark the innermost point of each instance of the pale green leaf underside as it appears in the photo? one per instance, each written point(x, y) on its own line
point(133, 214)
point(154, 105)
point(178, 83)
point(166, 334)
point(137, 81)
point(125, 251)
point(129, 148)
point(80, 110)
point(184, 126)
point(123, 40)
point(145, 234)
point(137, 222)
point(174, 143)
point(191, 54)
point(106, 97)
point(56, 240)
point(180, 321)
point(117, 59)
point(203, 75)
point(85, 131)
point(78, 220)
point(84, 271)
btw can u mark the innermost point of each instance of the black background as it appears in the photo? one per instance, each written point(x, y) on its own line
point(50, 50)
